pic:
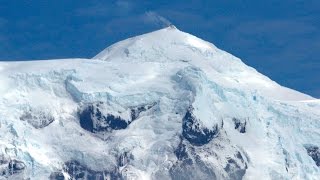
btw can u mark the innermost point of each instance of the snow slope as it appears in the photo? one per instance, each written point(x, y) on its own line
point(163, 105)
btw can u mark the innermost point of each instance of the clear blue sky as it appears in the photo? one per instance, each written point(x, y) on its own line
point(281, 39)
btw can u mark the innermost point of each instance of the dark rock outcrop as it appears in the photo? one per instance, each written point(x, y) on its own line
point(194, 132)
point(189, 166)
point(16, 166)
point(37, 119)
point(11, 167)
point(314, 153)
point(57, 176)
point(234, 170)
point(92, 119)
point(78, 171)
point(240, 125)
point(124, 159)
point(135, 111)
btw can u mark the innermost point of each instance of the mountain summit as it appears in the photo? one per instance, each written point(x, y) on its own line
point(163, 105)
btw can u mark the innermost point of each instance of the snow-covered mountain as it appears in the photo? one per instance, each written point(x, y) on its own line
point(164, 105)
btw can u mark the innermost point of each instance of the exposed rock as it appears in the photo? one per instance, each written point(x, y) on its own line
point(57, 176)
point(38, 119)
point(189, 166)
point(16, 166)
point(234, 170)
point(240, 125)
point(181, 151)
point(81, 172)
point(92, 119)
point(135, 111)
point(124, 159)
point(194, 132)
point(314, 153)
point(3, 160)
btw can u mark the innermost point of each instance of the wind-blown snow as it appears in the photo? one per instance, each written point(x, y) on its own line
point(171, 70)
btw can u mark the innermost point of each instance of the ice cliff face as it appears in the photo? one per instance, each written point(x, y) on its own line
point(164, 105)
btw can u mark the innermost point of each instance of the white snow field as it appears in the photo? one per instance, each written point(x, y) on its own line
point(163, 105)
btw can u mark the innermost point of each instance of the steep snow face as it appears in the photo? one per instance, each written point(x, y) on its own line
point(170, 45)
point(164, 105)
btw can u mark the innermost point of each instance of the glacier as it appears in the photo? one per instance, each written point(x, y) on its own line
point(163, 105)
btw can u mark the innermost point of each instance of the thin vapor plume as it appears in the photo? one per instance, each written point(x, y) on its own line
point(157, 19)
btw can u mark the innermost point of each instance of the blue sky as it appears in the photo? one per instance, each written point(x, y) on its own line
point(281, 39)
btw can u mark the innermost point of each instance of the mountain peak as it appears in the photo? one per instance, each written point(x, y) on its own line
point(170, 45)
point(163, 39)
point(163, 105)
point(171, 26)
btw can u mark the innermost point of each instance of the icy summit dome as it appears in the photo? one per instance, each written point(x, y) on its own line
point(163, 105)
point(157, 42)
point(172, 46)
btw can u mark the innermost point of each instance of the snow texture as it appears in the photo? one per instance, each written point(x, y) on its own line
point(163, 105)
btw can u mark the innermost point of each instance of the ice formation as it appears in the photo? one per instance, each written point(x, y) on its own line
point(163, 105)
